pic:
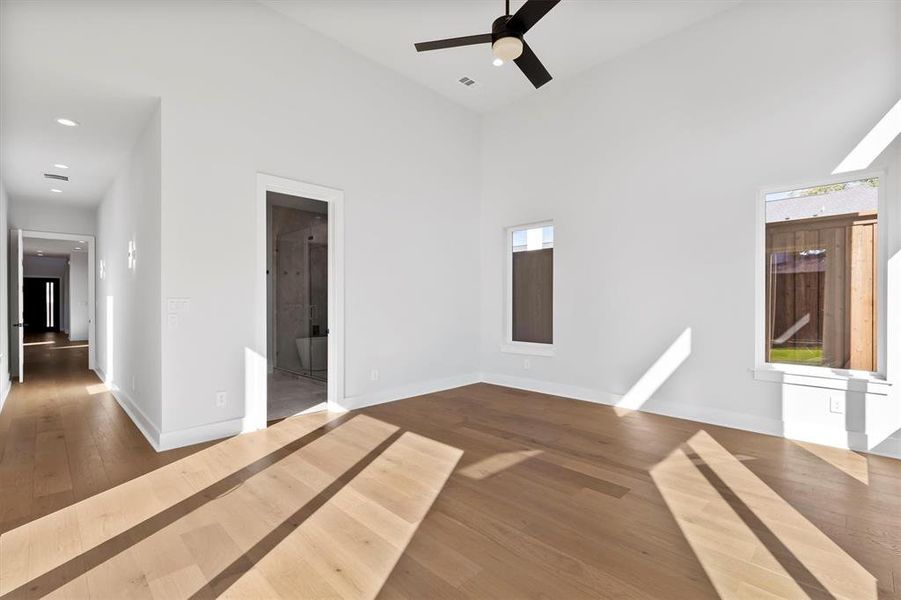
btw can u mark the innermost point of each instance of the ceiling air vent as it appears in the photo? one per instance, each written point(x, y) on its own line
point(55, 176)
point(467, 81)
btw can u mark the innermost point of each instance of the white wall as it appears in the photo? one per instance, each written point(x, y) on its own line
point(4, 296)
point(245, 90)
point(128, 300)
point(650, 167)
point(279, 99)
point(78, 296)
point(39, 216)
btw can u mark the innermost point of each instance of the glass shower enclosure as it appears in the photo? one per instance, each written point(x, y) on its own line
point(301, 288)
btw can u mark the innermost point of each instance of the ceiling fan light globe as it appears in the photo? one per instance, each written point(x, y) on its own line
point(507, 48)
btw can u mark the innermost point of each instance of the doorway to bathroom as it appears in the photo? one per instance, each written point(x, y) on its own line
point(298, 304)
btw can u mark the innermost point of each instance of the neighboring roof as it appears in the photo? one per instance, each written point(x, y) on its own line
point(859, 198)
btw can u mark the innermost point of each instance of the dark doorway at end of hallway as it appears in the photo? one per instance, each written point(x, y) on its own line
point(40, 298)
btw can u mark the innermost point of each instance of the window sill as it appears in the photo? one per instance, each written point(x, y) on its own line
point(824, 377)
point(527, 348)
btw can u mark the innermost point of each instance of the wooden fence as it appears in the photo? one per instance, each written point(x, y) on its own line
point(821, 282)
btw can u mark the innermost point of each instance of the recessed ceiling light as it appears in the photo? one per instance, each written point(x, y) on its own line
point(497, 62)
point(56, 191)
point(59, 166)
point(40, 253)
point(67, 122)
point(77, 248)
point(81, 242)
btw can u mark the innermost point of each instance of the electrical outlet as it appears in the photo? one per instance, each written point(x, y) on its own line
point(374, 375)
point(836, 404)
point(526, 364)
point(220, 399)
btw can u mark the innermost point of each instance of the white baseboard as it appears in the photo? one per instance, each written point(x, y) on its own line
point(548, 387)
point(716, 416)
point(147, 427)
point(681, 411)
point(890, 447)
point(859, 442)
point(408, 391)
point(7, 385)
point(200, 434)
point(169, 439)
point(213, 431)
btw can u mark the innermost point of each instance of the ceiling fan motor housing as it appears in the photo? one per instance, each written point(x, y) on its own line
point(505, 26)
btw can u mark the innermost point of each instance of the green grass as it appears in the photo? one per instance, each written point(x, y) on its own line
point(797, 356)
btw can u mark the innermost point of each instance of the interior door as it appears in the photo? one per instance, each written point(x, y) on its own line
point(16, 331)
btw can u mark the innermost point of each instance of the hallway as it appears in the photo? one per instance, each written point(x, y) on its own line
point(63, 437)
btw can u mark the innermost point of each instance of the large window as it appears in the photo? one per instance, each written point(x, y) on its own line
point(530, 306)
point(821, 270)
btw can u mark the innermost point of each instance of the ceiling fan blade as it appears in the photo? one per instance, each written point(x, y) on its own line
point(469, 40)
point(531, 12)
point(531, 67)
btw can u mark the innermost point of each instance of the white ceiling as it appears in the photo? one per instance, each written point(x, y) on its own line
point(37, 87)
point(574, 36)
point(104, 92)
point(31, 246)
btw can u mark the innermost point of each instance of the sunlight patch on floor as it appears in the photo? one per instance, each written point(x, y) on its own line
point(349, 546)
point(97, 388)
point(850, 463)
point(296, 508)
point(45, 544)
point(315, 408)
point(496, 463)
point(749, 540)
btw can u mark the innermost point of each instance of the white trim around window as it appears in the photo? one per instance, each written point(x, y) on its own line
point(509, 346)
point(828, 377)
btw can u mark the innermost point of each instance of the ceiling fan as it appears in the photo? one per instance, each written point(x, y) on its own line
point(506, 39)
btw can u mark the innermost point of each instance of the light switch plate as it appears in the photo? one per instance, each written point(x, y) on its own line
point(178, 305)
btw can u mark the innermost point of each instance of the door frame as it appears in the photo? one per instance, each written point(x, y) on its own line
point(16, 310)
point(257, 359)
point(89, 239)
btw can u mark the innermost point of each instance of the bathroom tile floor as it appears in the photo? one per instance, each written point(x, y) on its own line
point(290, 395)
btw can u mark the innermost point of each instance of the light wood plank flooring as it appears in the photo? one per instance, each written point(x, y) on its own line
point(476, 492)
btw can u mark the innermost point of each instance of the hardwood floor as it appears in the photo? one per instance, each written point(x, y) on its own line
point(478, 492)
point(63, 438)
